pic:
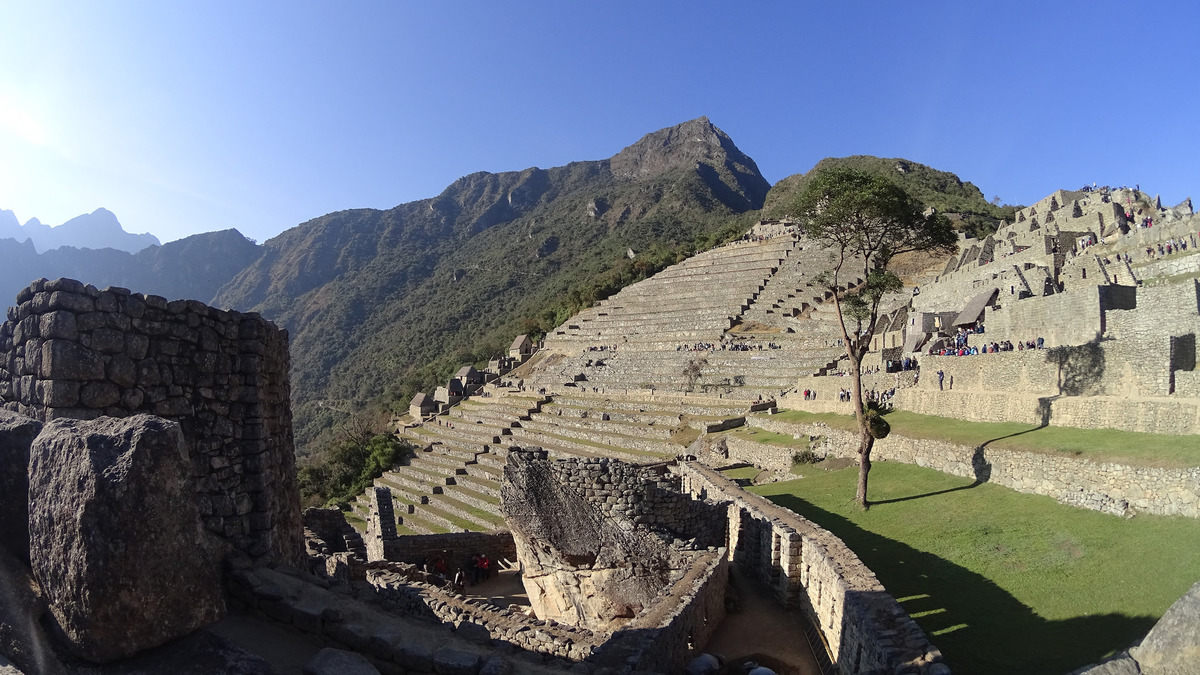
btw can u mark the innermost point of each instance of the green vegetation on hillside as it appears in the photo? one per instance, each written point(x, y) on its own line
point(961, 201)
point(382, 304)
point(1004, 582)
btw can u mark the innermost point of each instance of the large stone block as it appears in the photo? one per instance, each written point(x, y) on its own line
point(1172, 647)
point(115, 536)
point(16, 437)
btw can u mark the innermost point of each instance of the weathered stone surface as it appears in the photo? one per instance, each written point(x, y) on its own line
point(70, 361)
point(16, 437)
point(1172, 647)
point(21, 635)
point(115, 538)
point(582, 566)
point(330, 661)
point(448, 661)
point(86, 353)
point(1121, 665)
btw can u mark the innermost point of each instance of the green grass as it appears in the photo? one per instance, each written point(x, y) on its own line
point(769, 438)
point(356, 521)
point(1129, 447)
point(742, 473)
point(1004, 582)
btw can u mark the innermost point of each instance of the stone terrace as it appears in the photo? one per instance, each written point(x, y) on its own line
point(453, 481)
point(746, 325)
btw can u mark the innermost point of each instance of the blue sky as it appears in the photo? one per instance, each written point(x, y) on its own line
point(184, 117)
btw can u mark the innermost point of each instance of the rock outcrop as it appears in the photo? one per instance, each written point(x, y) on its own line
point(1172, 647)
point(585, 560)
point(16, 436)
point(116, 540)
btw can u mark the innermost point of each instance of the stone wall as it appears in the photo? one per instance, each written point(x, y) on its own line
point(689, 613)
point(69, 350)
point(864, 627)
point(762, 455)
point(416, 548)
point(1101, 486)
point(598, 539)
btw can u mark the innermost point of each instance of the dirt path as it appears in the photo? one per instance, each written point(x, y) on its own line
point(762, 630)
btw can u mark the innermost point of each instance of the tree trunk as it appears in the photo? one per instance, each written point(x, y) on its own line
point(866, 442)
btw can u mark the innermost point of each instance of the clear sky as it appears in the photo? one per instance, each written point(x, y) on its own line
point(183, 117)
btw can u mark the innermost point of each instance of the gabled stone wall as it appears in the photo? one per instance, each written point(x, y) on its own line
point(70, 350)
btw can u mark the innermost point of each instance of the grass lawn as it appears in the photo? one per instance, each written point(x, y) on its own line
point(1004, 582)
point(1127, 447)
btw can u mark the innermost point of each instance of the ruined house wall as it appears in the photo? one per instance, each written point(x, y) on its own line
point(806, 566)
point(688, 615)
point(1042, 316)
point(69, 350)
point(1108, 487)
point(456, 548)
point(647, 496)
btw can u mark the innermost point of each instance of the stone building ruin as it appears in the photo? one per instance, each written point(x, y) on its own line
point(72, 351)
point(147, 446)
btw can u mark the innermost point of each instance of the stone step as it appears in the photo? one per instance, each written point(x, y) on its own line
point(431, 435)
point(433, 461)
point(478, 481)
point(578, 448)
point(480, 520)
point(629, 444)
point(596, 423)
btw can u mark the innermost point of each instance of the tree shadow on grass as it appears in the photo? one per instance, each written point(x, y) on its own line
point(979, 627)
point(979, 466)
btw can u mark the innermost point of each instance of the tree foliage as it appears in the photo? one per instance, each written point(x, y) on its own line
point(865, 220)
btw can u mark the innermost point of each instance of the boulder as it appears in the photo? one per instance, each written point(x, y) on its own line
point(21, 636)
point(116, 540)
point(1172, 647)
point(16, 437)
point(580, 565)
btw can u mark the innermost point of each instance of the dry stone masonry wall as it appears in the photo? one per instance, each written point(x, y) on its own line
point(70, 350)
point(864, 627)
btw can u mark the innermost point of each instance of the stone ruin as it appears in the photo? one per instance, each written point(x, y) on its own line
point(599, 539)
point(71, 351)
point(144, 445)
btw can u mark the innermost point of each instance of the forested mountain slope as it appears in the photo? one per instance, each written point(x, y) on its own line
point(383, 303)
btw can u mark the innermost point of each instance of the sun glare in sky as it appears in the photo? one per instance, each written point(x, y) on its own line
point(186, 117)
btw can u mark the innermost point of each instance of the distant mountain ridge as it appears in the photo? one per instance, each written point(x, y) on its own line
point(382, 303)
point(190, 268)
point(96, 230)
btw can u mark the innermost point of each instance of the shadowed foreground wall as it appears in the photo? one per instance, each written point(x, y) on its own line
point(70, 350)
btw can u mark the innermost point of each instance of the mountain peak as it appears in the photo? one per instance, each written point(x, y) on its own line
point(696, 144)
point(680, 146)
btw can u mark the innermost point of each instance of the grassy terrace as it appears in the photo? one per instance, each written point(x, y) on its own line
point(1127, 447)
point(1004, 582)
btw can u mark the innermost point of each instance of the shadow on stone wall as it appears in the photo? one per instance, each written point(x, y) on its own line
point(1006, 637)
point(1080, 369)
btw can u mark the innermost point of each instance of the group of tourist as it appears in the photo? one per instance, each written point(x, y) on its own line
point(602, 348)
point(727, 346)
point(988, 348)
point(475, 570)
point(906, 363)
point(1168, 247)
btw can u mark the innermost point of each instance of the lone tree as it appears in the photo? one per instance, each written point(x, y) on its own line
point(865, 221)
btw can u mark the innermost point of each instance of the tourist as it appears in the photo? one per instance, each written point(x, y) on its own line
point(941, 378)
